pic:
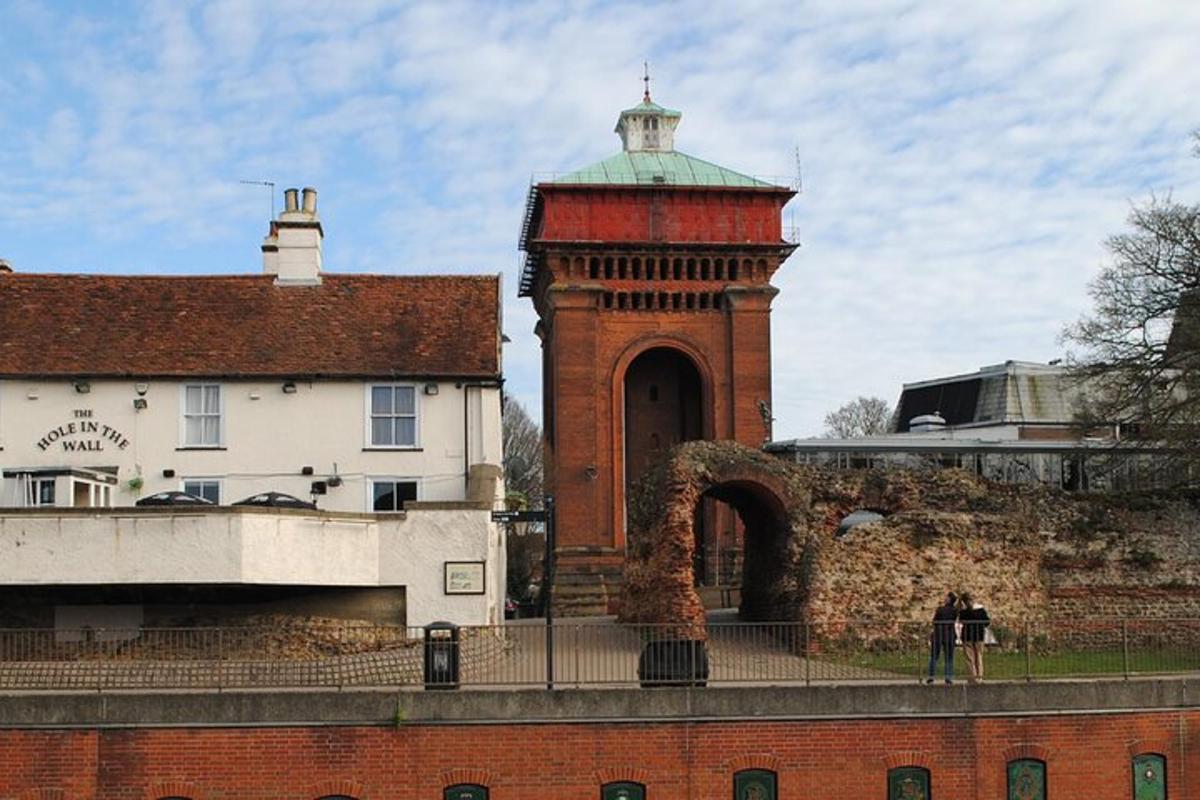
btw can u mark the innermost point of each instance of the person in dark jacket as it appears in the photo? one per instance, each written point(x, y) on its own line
point(941, 640)
point(975, 621)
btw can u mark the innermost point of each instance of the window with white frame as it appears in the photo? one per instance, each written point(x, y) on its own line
point(390, 494)
point(392, 412)
point(207, 488)
point(202, 415)
point(41, 491)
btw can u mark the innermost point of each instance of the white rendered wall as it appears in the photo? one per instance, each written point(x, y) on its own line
point(269, 436)
point(261, 547)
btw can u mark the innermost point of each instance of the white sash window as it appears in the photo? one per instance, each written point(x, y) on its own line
point(202, 415)
point(392, 412)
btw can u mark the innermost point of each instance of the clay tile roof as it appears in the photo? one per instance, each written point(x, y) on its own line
point(245, 325)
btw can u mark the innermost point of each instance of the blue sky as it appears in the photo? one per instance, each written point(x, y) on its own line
point(962, 162)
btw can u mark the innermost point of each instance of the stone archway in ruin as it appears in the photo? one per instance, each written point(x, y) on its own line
point(766, 541)
point(770, 498)
point(940, 530)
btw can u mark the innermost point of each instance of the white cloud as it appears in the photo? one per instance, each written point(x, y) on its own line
point(962, 162)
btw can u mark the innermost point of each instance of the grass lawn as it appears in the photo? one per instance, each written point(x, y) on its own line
point(1012, 664)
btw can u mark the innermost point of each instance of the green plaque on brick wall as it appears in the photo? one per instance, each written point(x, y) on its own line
point(1149, 777)
point(754, 784)
point(1026, 780)
point(466, 791)
point(623, 791)
point(908, 783)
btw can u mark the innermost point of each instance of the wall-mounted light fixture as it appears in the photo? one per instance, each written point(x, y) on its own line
point(168, 473)
point(431, 388)
point(83, 387)
point(591, 472)
point(306, 470)
point(141, 389)
point(289, 387)
point(31, 394)
point(255, 394)
point(139, 404)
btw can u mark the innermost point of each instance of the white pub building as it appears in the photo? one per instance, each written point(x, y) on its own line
point(375, 397)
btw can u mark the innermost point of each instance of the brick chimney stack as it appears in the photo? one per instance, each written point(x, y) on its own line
point(292, 250)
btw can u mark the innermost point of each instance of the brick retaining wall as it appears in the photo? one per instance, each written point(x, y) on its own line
point(441, 740)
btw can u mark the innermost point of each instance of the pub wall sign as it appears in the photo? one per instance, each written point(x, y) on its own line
point(83, 434)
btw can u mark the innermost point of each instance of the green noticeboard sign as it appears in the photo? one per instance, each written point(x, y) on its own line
point(754, 784)
point(908, 783)
point(1026, 780)
point(1149, 778)
point(623, 791)
point(465, 791)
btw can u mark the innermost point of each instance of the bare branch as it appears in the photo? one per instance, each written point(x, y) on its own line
point(864, 416)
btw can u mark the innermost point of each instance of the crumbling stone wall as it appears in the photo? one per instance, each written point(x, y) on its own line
point(1033, 555)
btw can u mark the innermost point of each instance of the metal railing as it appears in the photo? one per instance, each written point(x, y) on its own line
point(647, 177)
point(586, 654)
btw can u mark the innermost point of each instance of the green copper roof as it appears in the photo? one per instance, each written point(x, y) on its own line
point(670, 168)
point(650, 107)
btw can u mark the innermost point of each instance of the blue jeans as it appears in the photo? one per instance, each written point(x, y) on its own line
point(936, 646)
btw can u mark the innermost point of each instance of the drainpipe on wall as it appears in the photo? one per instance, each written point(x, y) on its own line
point(465, 385)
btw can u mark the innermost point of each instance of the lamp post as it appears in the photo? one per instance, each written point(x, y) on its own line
point(548, 589)
point(545, 516)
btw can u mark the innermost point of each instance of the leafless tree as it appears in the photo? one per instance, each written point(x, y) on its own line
point(522, 455)
point(1139, 350)
point(863, 416)
point(523, 480)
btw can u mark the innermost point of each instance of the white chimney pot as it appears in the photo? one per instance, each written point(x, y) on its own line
point(292, 250)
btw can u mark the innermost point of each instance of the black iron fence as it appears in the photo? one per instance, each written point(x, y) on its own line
point(585, 653)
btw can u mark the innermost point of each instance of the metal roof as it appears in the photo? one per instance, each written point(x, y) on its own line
point(1015, 391)
point(650, 107)
point(919, 443)
point(643, 168)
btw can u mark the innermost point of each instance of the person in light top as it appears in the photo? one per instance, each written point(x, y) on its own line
point(975, 620)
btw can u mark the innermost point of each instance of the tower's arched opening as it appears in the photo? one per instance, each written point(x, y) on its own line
point(664, 400)
point(664, 406)
point(765, 534)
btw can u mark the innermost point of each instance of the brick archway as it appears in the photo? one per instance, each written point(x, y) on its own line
point(694, 355)
point(773, 501)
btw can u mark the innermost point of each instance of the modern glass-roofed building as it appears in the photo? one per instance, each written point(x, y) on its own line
point(1013, 422)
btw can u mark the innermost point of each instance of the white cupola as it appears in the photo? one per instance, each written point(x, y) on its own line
point(647, 127)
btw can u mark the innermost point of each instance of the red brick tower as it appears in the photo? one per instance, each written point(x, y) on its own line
point(650, 272)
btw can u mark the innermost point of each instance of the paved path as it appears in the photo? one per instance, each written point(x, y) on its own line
point(598, 652)
point(590, 652)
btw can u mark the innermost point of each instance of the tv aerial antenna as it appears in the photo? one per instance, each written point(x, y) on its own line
point(799, 184)
point(270, 188)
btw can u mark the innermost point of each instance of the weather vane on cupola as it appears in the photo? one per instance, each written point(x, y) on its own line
point(647, 127)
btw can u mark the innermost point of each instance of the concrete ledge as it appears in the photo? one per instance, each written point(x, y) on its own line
point(191, 511)
point(383, 707)
point(817, 702)
point(199, 709)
